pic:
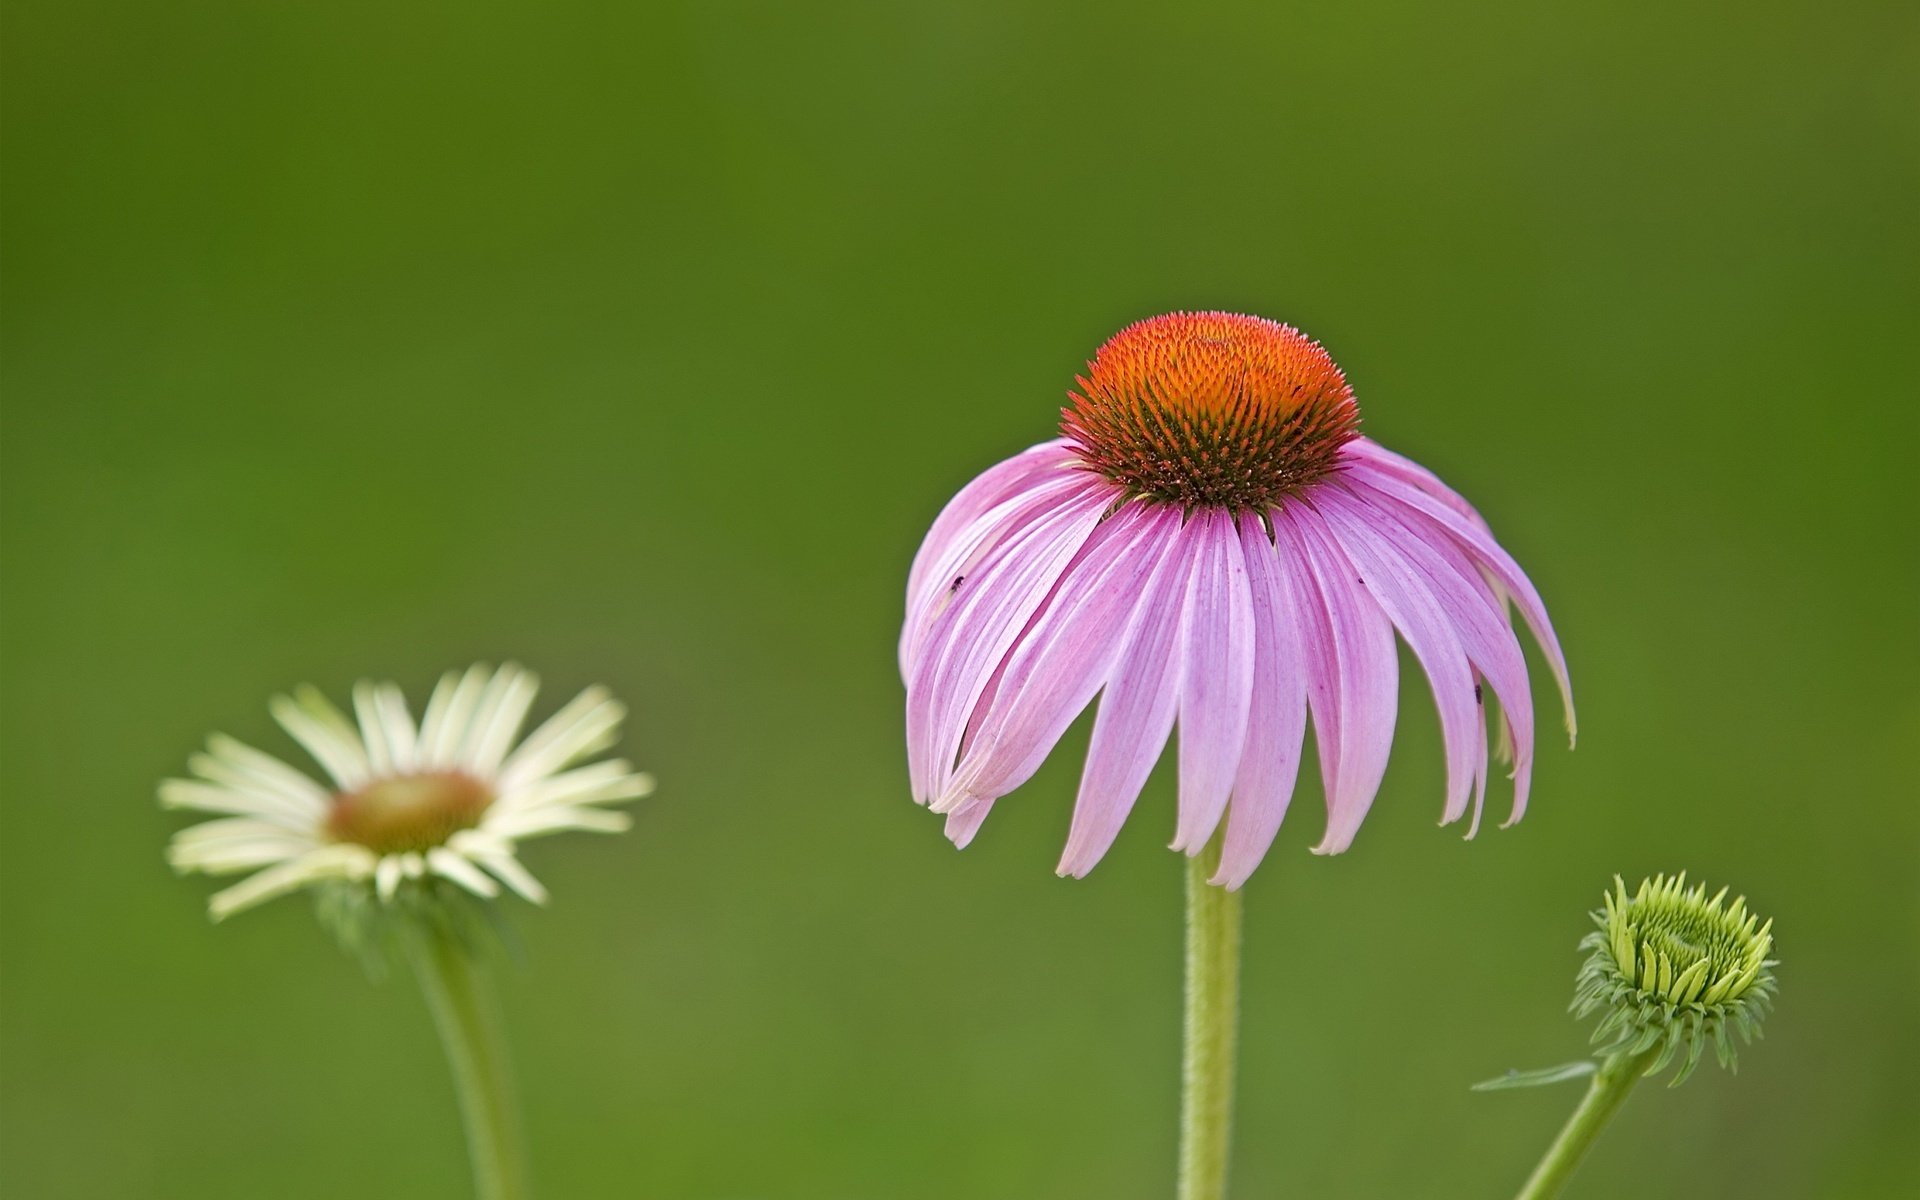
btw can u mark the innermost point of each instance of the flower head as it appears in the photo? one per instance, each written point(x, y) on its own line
point(1672, 968)
point(1212, 409)
point(449, 797)
point(1211, 542)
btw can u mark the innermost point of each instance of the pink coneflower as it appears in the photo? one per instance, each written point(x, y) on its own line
point(1211, 542)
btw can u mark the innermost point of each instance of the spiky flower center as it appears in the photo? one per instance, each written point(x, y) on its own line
point(405, 813)
point(1212, 409)
point(1673, 968)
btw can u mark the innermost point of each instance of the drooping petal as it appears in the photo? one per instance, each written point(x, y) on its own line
point(977, 544)
point(1480, 753)
point(1399, 466)
point(968, 641)
point(1489, 556)
point(1276, 716)
point(1376, 460)
point(1353, 674)
point(1136, 711)
point(1408, 600)
point(964, 821)
point(1216, 684)
point(997, 484)
point(1477, 615)
point(1064, 657)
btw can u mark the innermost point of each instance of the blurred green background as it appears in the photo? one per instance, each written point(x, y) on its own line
point(642, 343)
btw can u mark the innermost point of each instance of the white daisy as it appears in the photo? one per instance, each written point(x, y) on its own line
point(449, 797)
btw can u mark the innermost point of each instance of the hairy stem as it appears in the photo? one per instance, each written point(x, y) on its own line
point(1212, 1021)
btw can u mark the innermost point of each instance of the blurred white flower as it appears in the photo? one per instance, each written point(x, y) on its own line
point(449, 797)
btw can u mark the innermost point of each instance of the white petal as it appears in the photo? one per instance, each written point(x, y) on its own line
point(373, 731)
point(436, 713)
point(243, 768)
point(515, 876)
point(229, 827)
point(586, 725)
point(386, 876)
point(598, 783)
point(402, 739)
point(207, 797)
point(227, 858)
point(235, 844)
point(494, 726)
point(327, 862)
point(316, 724)
point(520, 825)
point(477, 842)
point(445, 727)
point(448, 865)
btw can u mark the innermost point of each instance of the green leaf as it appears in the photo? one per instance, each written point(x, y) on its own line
point(1539, 1078)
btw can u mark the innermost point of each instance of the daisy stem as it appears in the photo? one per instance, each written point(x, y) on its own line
point(1605, 1093)
point(465, 1012)
point(1213, 1015)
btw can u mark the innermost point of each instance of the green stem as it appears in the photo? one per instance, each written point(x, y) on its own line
point(459, 994)
point(1605, 1094)
point(1213, 1012)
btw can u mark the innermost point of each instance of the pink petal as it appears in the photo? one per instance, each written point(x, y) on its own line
point(968, 550)
point(948, 541)
point(1353, 674)
point(1478, 617)
point(1217, 682)
point(964, 822)
point(1062, 660)
point(1488, 555)
point(1276, 717)
point(1480, 755)
point(1409, 602)
point(1136, 712)
point(966, 642)
point(1400, 467)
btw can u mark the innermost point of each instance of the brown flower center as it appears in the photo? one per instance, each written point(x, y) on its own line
point(409, 812)
point(1212, 409)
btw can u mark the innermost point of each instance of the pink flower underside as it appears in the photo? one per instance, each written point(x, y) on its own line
point(1037, 589)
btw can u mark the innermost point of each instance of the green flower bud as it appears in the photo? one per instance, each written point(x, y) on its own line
point(1674, 969)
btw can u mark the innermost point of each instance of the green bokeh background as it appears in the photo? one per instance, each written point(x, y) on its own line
point(641, 344)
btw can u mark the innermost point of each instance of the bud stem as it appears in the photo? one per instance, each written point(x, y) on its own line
point(466, 1015)
point(1605, 1094)
point(1212, 1021)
